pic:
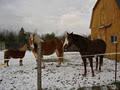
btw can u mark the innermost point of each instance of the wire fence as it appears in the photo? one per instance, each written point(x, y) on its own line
point(93, 55)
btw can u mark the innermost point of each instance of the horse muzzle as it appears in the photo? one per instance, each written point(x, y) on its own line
point(31, 47)
point(65, 47)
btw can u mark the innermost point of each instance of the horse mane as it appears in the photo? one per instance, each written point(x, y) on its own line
point(24, 48)
point(37, 39)
point(78, 39)
point(35, 45)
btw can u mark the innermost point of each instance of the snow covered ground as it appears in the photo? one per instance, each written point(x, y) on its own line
point(68, 76)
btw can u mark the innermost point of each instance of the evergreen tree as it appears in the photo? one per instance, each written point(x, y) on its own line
point(10, 40)
point(22, 39)
point(2, 36)
point(49, 36)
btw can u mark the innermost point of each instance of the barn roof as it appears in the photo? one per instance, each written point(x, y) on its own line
point(93, 12)
point(117, 1)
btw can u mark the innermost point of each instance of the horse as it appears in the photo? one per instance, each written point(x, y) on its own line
point(86, 47)
point(47, 48)
point(18, 53)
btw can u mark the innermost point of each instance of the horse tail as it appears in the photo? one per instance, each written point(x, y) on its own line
point(6, 57)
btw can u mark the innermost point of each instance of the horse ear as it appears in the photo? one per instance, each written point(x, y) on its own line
point(28, 35)
point(71, 32)
point(67, 33)
point(33, 35)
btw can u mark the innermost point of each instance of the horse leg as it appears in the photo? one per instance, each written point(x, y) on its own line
point(20, 63)
point(91, 65)
point(85, 68)
point(36, 56)
point(101, 62)
point(36, 64)
point(59, 60)
point(96, 63)
point(59, 54)
point(6, 62)
point(43, 63)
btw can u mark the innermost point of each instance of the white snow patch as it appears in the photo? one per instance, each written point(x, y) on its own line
point(68, 76)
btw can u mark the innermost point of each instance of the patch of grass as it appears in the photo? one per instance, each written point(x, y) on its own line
point(117, 84)
point(96, 88)
point(111, 86)
point(82, 88)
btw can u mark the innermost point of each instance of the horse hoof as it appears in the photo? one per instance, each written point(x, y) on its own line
point(84, 75)
point(93, 75)
point(57, 66)
point(43, 67)
point(96, 69)
point(21, 65)
point(35, 67)
point(62, 61)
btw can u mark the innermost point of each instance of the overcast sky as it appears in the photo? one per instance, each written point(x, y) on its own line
point(46, 16)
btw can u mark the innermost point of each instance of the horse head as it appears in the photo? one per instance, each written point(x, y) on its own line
point(31, 40)
point(34, 39)
point(68, 41)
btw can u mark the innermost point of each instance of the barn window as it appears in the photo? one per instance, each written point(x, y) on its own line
point(114, 39)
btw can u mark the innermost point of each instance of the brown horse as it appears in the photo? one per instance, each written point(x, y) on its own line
point(87, 47)
point(47, 48)
point(19, 53)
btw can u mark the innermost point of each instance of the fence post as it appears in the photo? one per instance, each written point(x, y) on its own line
point(39, 80)
point(116, 66)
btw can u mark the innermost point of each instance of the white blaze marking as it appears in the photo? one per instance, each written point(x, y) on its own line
point(31, 39)
point(32, 46)
point(66, 41)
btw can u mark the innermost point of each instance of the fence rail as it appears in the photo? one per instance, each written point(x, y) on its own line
point(114, 53)
point(106, 54)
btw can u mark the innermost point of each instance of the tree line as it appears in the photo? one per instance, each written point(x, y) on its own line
point(15, 40)
point(12, 39)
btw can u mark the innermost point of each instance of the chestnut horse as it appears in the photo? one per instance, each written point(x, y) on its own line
point(47, 48)
point(19, 53)
point(87, 47)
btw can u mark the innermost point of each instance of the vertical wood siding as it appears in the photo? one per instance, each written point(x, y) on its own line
point(110, 14)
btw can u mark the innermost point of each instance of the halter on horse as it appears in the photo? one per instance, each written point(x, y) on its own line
point(47, 48)
point(87, 47)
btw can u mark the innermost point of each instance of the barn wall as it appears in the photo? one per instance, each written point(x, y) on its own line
point(104, 13)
